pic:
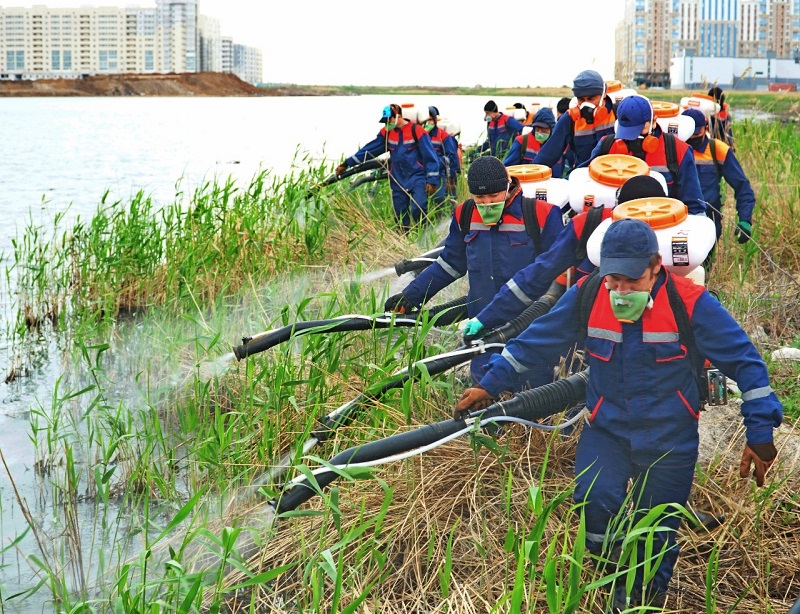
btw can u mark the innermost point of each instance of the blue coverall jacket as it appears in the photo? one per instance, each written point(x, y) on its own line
point(575, 138)
point(490, 255)
point(446, 148)
point(530, 283)
point(412, 164)
point(500, 133)
point(726, 167)
point(643, 398)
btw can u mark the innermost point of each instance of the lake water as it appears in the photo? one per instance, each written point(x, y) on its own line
point(63, 154)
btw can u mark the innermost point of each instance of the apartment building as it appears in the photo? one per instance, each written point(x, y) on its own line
point(246, 63)
point(655, 31)
point(42, 42)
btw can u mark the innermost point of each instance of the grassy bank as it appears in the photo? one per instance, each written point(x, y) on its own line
point(783, 104)
point(155, 424)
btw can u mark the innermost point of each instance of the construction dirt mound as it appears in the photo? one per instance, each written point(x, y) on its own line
point(174, 84)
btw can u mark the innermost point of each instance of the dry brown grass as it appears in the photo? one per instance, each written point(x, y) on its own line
point(453, 490)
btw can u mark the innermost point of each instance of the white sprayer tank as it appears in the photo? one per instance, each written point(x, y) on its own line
point(669, 118)
point(616, 92)
point(684, 241)
point(597, 184)
point(702, 102)
point(453, 128)
point(518, 114)
point(537, 181)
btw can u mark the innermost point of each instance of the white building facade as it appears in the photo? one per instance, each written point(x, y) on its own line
point(656, 31)
point(42, 42)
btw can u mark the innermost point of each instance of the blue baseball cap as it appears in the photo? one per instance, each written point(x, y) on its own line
point(632, 114)
point(386, 114)
point(627, 248)
point(699, 118)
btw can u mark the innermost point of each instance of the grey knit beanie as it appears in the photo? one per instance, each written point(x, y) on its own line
point(588, 83)
point(487, 175)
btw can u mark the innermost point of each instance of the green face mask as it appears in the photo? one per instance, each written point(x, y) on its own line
point(491, 212)
point(428, 126)
point(541, 136)
point(628, 307)
point(390, 127)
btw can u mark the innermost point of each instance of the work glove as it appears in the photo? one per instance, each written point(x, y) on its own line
point(472, 330)
point(743, 231)
point(473, 399)
point(451, 185)
point(430, 189)
point(340, 169)
point(398, 303)
point(761, 456)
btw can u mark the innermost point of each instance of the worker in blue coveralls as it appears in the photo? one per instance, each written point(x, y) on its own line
point(500, 130)
point(643, 396)
point(638, 134)
point(413, 165)
point(446, 148)
point(581, 127)
point(715, 161)
point(527, 145)
point(495, 246)
point(530, 283)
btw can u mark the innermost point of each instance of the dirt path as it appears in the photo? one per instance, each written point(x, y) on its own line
point(175, 84)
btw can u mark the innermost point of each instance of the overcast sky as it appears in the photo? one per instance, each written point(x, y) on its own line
point(416, 42)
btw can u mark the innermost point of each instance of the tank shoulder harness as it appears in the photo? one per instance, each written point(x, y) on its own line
point(587, 292)
point(593, 219)
point(670, 151)
point(528, 215)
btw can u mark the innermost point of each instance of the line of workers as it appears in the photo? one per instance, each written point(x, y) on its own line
point(425, 160)
point(643, 393)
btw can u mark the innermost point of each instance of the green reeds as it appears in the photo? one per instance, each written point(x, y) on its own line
point(165, 455)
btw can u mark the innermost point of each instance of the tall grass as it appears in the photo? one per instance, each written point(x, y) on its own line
point(164, 453)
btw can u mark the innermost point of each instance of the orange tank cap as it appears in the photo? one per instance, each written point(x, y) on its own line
point(659, 211)
point(613, 86)
point(703, 96)
point(615, 169)
point(665, 109)
point(530, 172)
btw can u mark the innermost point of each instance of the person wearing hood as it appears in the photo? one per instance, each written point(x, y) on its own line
point(489, 248)
point(715, 160)
point(638, 134)
point(446, 148)
point(528, 144)
point(500, 130)
point(413, 164)
point(643, 396)
point(579, 129)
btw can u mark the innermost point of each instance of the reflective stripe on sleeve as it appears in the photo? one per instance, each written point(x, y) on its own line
point(517, 291)
point(518, 366)
point(448, 269)
point(757, 393)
